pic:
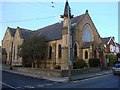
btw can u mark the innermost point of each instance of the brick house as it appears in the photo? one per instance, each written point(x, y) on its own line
point(85, 41)
point(0, 53)
point(110, 45)
point(117, 48)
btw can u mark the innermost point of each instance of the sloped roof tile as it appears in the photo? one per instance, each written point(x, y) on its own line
point(26, 33)
point(12, 31)
point(118, 45)
point(54, 31)
point(105, 40)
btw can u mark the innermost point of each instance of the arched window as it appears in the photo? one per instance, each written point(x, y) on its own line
point(86, 54)
point(111, 48)
point(14, 53)
point(50, 52)
point(87, 37)
point(95, 54)
point(59, 51)
point(75, 50)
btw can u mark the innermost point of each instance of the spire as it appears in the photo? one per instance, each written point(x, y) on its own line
point(66, 10)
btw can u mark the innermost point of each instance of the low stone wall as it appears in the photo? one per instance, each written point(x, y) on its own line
point(38, 71)
point(76, 72)
point(56, 73)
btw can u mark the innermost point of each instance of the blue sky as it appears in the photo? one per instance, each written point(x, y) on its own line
point(119, 22)
point(35, 15)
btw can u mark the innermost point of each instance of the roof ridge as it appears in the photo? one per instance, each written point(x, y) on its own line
point(107, 37)
point(11, 28)
point(24, 29)
point(48, 26)
point(57, 23)
point(12, 31)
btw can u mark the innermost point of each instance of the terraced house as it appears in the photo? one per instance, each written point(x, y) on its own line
point(85, 41)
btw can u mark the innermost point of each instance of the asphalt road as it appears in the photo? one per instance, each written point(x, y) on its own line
point(106, 81)
point(14, 81)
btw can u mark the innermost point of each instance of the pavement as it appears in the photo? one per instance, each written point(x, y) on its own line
point(61, 79)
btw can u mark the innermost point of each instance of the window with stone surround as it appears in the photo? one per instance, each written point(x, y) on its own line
point(75, 50)
point(14, 52)
point(59, 51)
point(87, 37)
point(86, 54)
point(50, 52)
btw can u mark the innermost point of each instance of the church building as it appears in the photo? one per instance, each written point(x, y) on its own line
point(85, 41)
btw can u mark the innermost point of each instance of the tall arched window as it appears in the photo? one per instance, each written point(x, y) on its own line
point(95, 54)
point(87, 37)
point(50, 52)
point(59, 51)
point(86, 54)
point(14, 53)
point(75, 50)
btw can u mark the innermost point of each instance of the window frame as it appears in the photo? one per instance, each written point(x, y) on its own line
point(87, 37)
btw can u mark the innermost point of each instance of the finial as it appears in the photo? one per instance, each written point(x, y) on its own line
point(8, 27)
point(66, 10)
point(87, 11)
point(18, 27)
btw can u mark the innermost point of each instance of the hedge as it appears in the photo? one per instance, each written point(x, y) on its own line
point(94, 62)
point(79, 64)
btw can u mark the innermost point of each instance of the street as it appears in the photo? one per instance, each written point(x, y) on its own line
point(15, 81)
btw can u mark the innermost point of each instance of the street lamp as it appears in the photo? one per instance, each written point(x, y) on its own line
point(69, 46)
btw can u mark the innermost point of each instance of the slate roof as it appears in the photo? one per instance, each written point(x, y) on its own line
point(25, 33)
point(51, 32)
point(54, 31)
point(12, 31)
point(118, 45)
point(105, 40)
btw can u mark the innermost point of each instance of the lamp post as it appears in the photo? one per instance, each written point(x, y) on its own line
point(69, 46)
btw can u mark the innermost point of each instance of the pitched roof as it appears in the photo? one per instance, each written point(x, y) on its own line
point(118, 45)
point(12, 31)
point(105, 40)
point(54, 31)
point(25, 33)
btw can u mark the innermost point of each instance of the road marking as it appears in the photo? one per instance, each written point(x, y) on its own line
point(29, 87)
point(94, 77)
point(41, 85)
point(48, 84)
point(7, 85)
point(18, 87)
point(98, 74)
point(90, 78)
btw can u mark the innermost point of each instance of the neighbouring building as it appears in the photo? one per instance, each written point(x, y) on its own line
point(110, 45)
point(118, 47)
point(0, 53)
point(85, 41)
